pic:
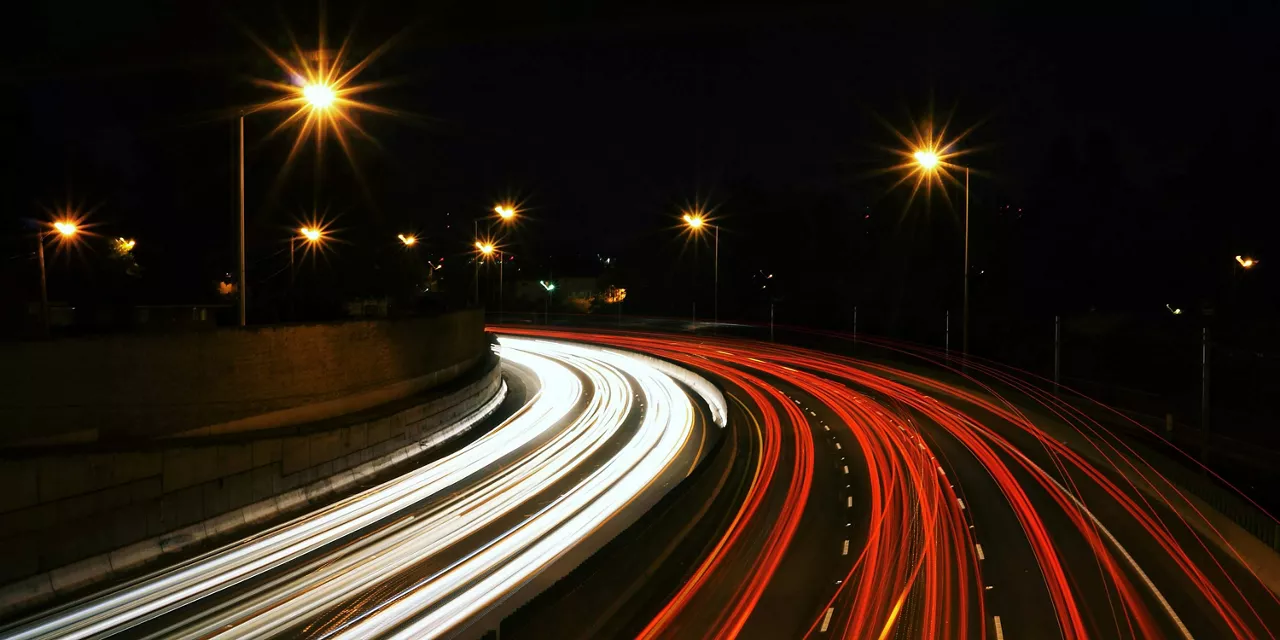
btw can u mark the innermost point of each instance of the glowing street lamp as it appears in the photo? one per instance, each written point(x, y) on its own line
point(930, 162)
point(927, 159)
point(696, 221)
point(66, 231)
point(505, 211)
point(312, 235)
point(1246, 262)
point(408, 240)
point(550, 287)
point(319, 95)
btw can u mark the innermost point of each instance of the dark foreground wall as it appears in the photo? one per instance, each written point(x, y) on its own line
point(224, 381)
point(70, 519)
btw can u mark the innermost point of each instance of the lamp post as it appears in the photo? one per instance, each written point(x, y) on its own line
point(506, 213)
point(487, 250)
point(67, 230)
point(696, 222)
point(928, 161)
point(550, 287)
point(315, 96)
point(312, 236)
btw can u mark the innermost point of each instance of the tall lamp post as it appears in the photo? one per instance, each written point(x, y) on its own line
point(67, 230)
point(506, 213)
point(550, 287)
point(487, 250)
point(317, 97)
point(928, 161)
point(696, 223)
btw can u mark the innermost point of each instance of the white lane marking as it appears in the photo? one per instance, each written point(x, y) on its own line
point(980, 555)
point(850, 502)
point(1124, 552)
point(846, 548)
point(961, 503)
point(837, 445)
point(999, 629)
point(826, 428)
point(846, 468)
point(813, 414)
point(826, 620)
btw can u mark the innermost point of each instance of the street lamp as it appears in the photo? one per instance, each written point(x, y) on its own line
point(929, 161)
point(505, 211)
point(550, 287)
point(311, 235)
point(66, 231)
point(696, 222)
point(408, 240)
point(315, 97)
point(1246, 262)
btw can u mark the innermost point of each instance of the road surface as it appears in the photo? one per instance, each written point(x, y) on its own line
point(431, 553)
point(859, 499)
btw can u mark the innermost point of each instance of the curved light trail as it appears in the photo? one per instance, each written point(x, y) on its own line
point(971, 504)
point(430, 552)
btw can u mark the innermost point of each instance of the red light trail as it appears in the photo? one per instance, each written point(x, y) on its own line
point(1115, 549)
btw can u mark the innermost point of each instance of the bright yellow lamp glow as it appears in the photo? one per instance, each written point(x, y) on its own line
point(1245, 262)
point(928, 160)
point(312, 234)
point(66, 229)
point(319, 96)
point(485, 247)
point(694, 221)
point(125, 246)
point(408, 241)
point(507, 212)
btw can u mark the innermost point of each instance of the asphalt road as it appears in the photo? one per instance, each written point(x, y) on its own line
point(858, 499)
point(597, 439)
point(853, 497)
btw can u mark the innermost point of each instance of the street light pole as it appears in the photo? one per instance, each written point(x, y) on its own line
point(44, 287)
point(716, 286)
point(243, 288)
point(475, 227)
point(964, 347)
point(292, 276)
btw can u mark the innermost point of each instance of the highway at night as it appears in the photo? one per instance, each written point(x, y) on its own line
point(864, 500)
point(805, 494)
point(593, 438)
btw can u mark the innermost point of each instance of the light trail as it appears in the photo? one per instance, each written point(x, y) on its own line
point(497, 512)
point(1102, 557)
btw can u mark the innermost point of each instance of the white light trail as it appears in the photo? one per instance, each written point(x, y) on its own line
point(493, 479)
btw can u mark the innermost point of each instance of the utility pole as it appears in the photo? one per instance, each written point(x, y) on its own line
point(243, 293)
point(1204, 382)
point(946, 332)
point(964, 345)
point(44, 286)
point(1057, 352)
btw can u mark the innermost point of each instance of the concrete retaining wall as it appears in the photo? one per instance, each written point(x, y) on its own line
point(69, 520)
point(139, 386)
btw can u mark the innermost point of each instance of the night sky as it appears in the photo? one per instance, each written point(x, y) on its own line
point(1120, 159)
